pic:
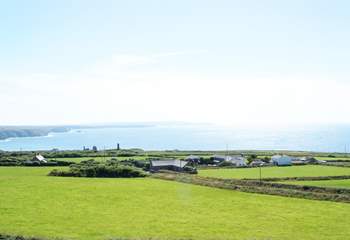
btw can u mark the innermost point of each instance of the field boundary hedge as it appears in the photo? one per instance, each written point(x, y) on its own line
point(93, 169)
point(319, 178)
point(9, 237)
point(255, 186)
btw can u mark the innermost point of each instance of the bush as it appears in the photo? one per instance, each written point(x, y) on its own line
point(191, 170)
point(266, 159)
point(145, 165)
point(7, 237)
point(91, 168)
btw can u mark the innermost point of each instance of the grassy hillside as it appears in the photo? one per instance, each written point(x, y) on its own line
point(278, 172)
point(75, 208)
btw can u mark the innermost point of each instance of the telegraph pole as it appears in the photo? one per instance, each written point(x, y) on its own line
point(260, 173)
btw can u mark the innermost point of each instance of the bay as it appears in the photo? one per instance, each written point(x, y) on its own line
point(325, 138)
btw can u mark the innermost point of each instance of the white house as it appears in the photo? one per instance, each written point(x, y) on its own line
point(281, 160)
point(236, 160)
point(39, 158)
point(239, 161)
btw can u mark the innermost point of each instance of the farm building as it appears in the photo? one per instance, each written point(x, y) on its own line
point(39, 158)
point(306, 160)
point(218, 158)
point(236, 160)
point(167, 164)
point(281, 160)
point(257, 163)
point(193, 158)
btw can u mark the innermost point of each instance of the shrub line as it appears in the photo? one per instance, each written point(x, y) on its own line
point(319, 178)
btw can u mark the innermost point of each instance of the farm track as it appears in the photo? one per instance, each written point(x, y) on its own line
point(261, 187)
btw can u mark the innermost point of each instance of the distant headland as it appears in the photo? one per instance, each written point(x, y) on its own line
point(7, 132)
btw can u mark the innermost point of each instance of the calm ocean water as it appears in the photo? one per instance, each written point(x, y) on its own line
point(193, 137)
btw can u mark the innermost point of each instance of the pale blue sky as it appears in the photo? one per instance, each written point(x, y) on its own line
point(72, 54)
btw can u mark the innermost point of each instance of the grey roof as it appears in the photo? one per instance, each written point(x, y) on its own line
point(168, 162)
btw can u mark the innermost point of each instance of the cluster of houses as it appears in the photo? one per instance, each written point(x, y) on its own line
point(94, 148)
point(238, 161)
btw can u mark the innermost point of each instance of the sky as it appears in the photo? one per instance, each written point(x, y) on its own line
point(225, 62)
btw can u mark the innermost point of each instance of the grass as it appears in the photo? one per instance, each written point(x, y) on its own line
point(333, 159)
point(33, 204)
point(278, 172)
point(345, 183)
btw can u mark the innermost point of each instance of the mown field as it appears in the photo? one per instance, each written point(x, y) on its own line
point(278, 172)
point(343, 183)
point(33, 204)
point(333, 159)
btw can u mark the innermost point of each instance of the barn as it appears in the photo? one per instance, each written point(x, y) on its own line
point(167, 164)
point(281, 160)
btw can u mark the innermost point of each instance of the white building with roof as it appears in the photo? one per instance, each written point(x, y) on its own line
point(39, 158)
point(239, 161)
point(167, 164)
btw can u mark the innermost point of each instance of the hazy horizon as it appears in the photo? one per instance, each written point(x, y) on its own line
point(223, 62)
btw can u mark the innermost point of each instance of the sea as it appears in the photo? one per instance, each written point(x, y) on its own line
point(322, 138)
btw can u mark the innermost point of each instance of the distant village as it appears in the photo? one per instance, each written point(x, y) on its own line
point(230, 161)
point(194, 161)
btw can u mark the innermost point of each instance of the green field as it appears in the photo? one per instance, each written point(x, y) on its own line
point(76, 208)
point(344, 183)
point(333, 159)
point(278, 172)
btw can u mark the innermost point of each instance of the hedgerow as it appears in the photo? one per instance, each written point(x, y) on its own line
point(91, 168)
point(255, 186)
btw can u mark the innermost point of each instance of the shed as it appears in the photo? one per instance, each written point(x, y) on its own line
point(281, 160)
point(167, 164)
point(306, 160)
